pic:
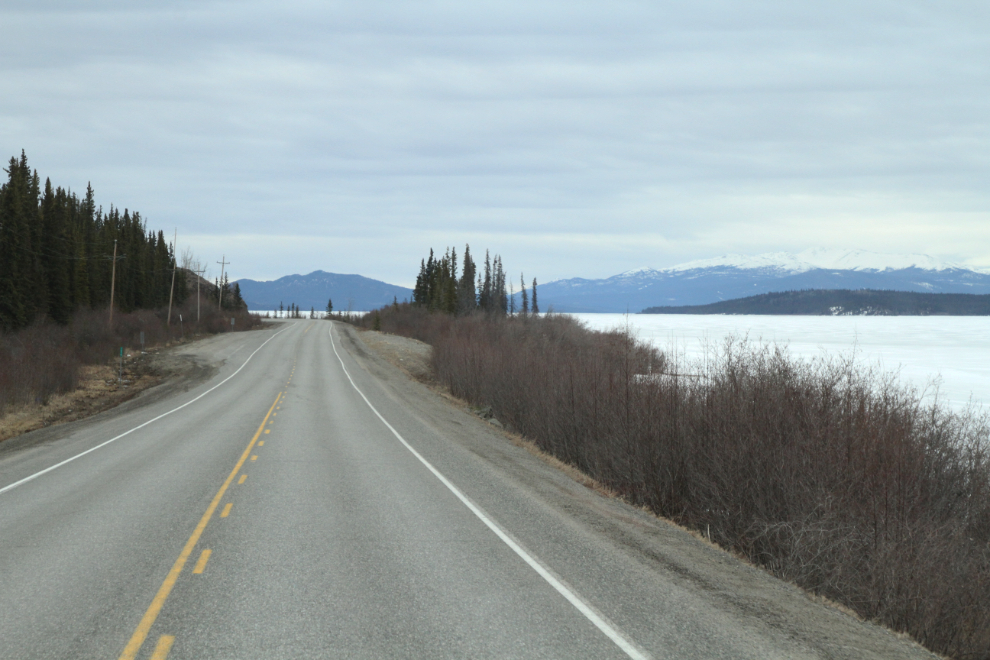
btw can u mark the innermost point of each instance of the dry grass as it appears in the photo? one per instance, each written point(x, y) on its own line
point(51, 373)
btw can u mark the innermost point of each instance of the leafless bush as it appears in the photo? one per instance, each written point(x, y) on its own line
point(44, 358)
point(829, 474)
point(35, 363)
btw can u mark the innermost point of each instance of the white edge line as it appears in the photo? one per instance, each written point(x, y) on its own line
point(23, 481)
point(584, 608)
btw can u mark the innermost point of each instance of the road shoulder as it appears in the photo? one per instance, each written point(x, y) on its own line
point(149, 378)
point(742, 591)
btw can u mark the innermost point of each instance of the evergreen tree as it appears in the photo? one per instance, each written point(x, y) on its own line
point(467, 299)
point(14, 244)
point(524, 295)
point(237, 300)
point(536, 307)
point(419, 292)
point(485, 301)
point(329, 306)
point(499, 295)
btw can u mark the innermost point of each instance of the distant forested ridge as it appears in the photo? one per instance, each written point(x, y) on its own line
point(56, 253)
point(844, 302)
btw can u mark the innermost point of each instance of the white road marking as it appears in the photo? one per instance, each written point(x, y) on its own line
point(23, 481)
point(564, 590)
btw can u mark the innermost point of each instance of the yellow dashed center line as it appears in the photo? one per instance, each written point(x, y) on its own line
point(163, 646)
point(144, 627)
point(261, 444)
point(241, 480)
point(201, 563)
point(226, 509)
point(254, 458)
point(267, 430)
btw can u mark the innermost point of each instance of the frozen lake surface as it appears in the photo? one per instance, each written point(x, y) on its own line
point(955, 350)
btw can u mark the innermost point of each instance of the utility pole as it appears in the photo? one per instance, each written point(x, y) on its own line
point(199, 276)
point(220, 286)
point(175, 266)
point(113, 279)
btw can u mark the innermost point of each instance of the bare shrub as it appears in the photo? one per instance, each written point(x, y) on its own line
point(829, 474)
point(35, 363)
point(44, 358)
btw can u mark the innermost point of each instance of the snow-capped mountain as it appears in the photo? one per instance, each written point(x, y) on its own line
point(736, 276)
point(816, 258)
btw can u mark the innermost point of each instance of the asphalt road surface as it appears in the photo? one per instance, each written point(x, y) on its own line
point(308, 500)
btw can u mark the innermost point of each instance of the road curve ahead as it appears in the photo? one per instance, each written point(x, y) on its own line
point(310, 501)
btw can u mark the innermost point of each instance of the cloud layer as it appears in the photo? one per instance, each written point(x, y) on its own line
point(574, 138)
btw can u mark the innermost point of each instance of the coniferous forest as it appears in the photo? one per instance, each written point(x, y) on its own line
point(439, 289)
point(56, 268)
point(56, 254)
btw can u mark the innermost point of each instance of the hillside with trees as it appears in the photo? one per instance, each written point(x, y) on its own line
point(843, 302)
point(57, 253)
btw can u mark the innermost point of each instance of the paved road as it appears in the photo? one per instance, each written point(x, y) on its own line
point(308, 501)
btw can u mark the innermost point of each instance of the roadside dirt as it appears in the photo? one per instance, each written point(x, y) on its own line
point(409, 355)
point(732, 582)
point(100, 388)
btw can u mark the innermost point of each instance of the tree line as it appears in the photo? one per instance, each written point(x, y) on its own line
point(843, 302)
point(56, 253)
point(440, 288)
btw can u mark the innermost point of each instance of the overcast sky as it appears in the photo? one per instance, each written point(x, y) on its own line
point(574, 138)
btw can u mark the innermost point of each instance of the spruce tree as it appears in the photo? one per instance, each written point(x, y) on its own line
point(536, 307)
point(13, 243)
point(467, 300)
point(524, 295)
point(329, 306)
point(238, 301)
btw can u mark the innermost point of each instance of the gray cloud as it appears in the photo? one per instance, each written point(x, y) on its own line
point(574, 138)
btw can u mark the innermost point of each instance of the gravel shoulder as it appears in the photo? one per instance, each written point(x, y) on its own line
point(147, 378)
point(724, 581)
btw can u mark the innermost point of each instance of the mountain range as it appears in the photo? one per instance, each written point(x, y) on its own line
point(701, 282)
point(348, 292)
point(738, 276)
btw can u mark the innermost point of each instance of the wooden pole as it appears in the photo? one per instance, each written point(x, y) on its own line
point(113, 279)
point(175, 266)
point(222, 263)
point(199, 276)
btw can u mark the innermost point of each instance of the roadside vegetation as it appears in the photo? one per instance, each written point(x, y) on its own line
point(45, 358)
point(63, 262)
point(828, 473)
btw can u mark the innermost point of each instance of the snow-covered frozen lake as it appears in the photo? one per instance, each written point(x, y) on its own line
point(953, 349)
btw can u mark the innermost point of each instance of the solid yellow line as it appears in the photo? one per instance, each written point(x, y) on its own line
point(241, 480)
point(141, 633)
point(226, 510)
point(163, 646)
point(201, 564)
